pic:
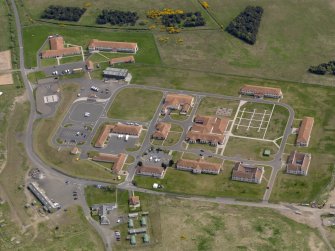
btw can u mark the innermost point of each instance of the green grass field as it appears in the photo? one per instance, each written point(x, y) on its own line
point(209, 106)
point(205, 184)
point(135, 104)
point(96, 195)
point(250, 149)
point(210, 226)
point(48, 62)
point(71, 59)
point(34, 36)
point(17, 165)
point(34, 76)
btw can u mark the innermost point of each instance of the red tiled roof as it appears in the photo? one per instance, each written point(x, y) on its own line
point(151, 169)
point(199, 164)
point(247, 172)
point(89, 65)
point(56, 43)
point(305, 130)
point(61, 52)
point(134, 200)
point(118, 160)
point(162, 130)
point(298, 161)
point(127, 59)
point(111, 44)
point(103, 135)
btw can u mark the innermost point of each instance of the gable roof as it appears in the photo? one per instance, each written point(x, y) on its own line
point(199, 164)
point(150, 169)
point(126, 59)
point(305, 129)
point(162, 130)
point(118, 160)
point(244, 171)
point(94, 43)
point(298, 161)
point(56, 43)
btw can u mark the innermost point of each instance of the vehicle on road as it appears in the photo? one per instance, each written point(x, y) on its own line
point(87, 114)
point(93, 88)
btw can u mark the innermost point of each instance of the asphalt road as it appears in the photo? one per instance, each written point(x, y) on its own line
point(57, 175)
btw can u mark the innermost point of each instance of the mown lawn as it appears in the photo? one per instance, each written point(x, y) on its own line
point(208, 185)
point(34, 36)
point(135, 104)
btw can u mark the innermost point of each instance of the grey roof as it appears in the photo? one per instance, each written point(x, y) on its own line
point(103, 210)
point(115, 72)
point(41, 196)
point(137, 230)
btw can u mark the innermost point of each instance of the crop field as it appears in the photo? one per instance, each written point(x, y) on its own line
point(219, 185)
point(135, 104)
point(4, 29)
point(210, 226)
point(34, 36)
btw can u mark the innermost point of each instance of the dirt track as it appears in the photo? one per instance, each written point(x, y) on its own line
point(5, 65)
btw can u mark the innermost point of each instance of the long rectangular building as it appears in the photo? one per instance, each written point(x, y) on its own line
point(305, 131)
point(127, 59)
point(198, 166)
point(261, 91)
point(42, 197)
point(98, 45)
point(152, 171)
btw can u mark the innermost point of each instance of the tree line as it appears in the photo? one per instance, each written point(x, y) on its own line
point(324, 68)
point(63, 13)
point(245, 26)
point(188, 19)
point(117, 17)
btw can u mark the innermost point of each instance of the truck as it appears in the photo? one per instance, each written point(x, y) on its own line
point(127, 137)
point(77, 70)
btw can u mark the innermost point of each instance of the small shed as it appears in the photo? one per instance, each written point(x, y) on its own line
point(130, 223)
point(133, 240)
point(146, 238)
point(266, 152)
point(143, 221)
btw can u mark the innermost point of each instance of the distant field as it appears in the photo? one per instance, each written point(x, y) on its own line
point(288, 42)
point(36, 7)
point(73, 232)
point(34, 36)
point(135, 104)
point(210, 226)
point(208, 185)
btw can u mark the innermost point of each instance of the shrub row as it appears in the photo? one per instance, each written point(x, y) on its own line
point(245, 25)
point(322, 69)
point(189, 19)
point(116, 17)
point(63, 13)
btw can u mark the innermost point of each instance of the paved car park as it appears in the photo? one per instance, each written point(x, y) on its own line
point(73, 135)
point(85, 112)
point(119, 145)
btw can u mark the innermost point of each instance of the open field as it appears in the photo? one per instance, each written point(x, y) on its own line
point(286, 43)
point(135, 104)
point(96, 195)
point(305, 189)
point(208, 185)
point(73, 233)
point(6, 65)
point(44, 130)
point(34, 76)
point(209, 226)
point(94, 9)
point(247, 148)
point(48, 61)
point(71, 59)
point(209, 106)
point(34, 36)
point(17, 165)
